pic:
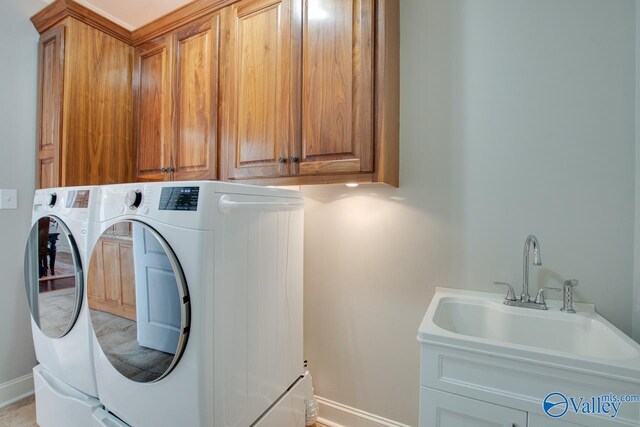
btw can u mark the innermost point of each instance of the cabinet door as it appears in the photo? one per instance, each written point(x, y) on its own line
point(258, 86)
point(153, 110)
point(440, 409)
point(194, 151)
point(50, 82)
point(337, 87)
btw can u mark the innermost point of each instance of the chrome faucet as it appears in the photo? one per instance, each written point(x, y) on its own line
point(525, 298)
point(539, 302)
point(531, 240)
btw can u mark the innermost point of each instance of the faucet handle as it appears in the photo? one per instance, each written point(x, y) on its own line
point(540, 298)
point(511, 293)
point(567, 298)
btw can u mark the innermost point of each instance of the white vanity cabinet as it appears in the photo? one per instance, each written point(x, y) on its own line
point(483, 363)
point(440, 409)
point(460, 388)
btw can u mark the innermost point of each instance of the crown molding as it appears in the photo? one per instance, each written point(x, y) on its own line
point(61, 9)
point(173, 20)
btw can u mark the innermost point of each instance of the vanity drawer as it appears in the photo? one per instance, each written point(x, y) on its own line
point(521, 385)
point(440, 409)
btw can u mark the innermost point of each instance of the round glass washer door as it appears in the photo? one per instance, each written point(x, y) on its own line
point(53, 277)
point(138, 301)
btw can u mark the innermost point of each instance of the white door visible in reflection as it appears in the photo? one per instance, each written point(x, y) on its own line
point(157, 298)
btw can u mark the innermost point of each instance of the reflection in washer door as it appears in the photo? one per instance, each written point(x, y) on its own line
point(53, 277)
point(138, 301)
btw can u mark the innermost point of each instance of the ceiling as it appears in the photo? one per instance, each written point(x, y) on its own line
point(132, 14)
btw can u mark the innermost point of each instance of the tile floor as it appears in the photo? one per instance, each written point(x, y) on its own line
point(19, 414)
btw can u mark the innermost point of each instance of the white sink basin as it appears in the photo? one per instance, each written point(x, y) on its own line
point(480, 321)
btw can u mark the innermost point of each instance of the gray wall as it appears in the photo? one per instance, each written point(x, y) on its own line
point(18, 76)
point(636, 270)
point(518, 117)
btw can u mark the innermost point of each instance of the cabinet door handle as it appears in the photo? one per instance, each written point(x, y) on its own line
point(163, 170)
point(282, 160)
point(294, 159)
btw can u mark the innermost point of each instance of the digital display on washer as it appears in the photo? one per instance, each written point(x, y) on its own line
point(78, 199)
point(179, 199)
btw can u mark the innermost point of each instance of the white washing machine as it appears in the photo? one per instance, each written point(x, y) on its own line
point(195, 295)
point(55, 263)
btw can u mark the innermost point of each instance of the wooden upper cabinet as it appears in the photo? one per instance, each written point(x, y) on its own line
point(273, 92)
point(309, 91)
point(84, 107)
point(195, 148)
point(337, 86)
point(258, 88)
point(153, 109)
point(50, 82)
point(177, 104)
point(98, 108)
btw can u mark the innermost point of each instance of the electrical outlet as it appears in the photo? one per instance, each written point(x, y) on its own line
point(8, 199)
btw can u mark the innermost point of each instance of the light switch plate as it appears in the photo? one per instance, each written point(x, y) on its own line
point(8, 199)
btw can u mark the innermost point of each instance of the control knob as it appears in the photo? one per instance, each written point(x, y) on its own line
point(133, 199)
point(52, 199)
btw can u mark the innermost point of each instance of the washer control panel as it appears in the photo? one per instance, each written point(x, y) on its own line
point(179, 199)
point(78, 199)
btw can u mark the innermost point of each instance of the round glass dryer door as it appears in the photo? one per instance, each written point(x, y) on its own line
point(138, 301)
point(53, 277)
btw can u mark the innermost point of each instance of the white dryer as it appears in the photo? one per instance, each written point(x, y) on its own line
point(55, 262)
point(195, 296)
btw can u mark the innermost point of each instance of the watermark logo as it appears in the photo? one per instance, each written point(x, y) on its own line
point(555, 405)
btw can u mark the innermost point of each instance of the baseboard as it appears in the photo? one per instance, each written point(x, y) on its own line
point(334, 414)
point(17, 389)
